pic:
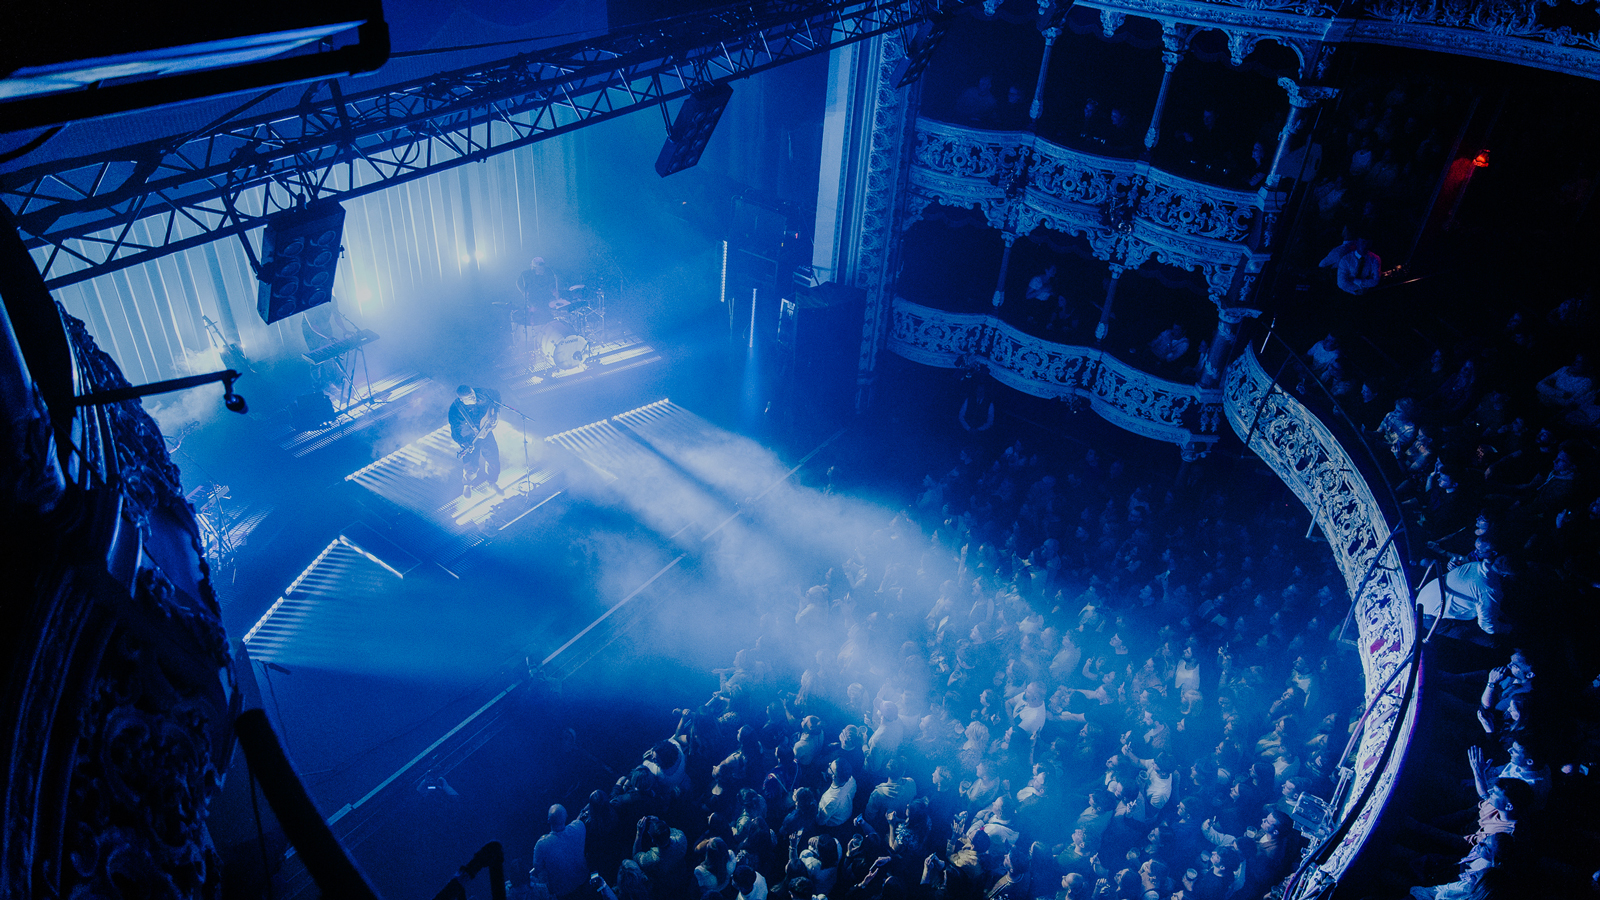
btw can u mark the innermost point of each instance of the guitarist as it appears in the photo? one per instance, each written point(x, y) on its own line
point(472, 419)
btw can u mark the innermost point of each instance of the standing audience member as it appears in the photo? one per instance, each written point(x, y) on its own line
point(1358, 269)
point(558, 857)
point(837, 802)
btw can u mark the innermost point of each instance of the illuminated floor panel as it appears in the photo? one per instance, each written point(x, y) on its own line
point(326, 608)
point(424, 476)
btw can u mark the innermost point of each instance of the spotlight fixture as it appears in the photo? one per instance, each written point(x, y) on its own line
point(231, 400)
point(234, 402)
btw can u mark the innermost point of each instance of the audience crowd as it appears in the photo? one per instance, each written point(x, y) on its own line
point(1087, 688)
point(1379, 159)
point(1084, 689)
point(1489, 447)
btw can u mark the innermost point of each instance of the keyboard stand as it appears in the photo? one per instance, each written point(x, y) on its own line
point(350, 396)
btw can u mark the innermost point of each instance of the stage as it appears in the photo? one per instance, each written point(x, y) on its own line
point(423, 654)
point(596, 571)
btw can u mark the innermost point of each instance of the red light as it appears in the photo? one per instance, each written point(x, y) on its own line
point(1481, 160)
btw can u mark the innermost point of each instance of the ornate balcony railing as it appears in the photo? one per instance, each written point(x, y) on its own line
point(1310, 460)
point(1545, 34)
point(1127, 210)
point(1127, 397)
point(115, 631)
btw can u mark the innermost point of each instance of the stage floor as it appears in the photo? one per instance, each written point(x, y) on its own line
point(393, 623)
point(390, 667)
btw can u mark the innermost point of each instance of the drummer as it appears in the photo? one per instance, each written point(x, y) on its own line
point(541, 291)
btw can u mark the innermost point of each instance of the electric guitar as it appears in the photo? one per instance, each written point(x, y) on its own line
point(485, 426)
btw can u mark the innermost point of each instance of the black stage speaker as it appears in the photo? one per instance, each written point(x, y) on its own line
point(819, 345)
point(299, 256)
point(691, 130)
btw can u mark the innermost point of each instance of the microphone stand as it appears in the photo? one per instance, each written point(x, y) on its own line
point(527, 468)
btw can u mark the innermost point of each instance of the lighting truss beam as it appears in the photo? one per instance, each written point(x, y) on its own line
point(95, 214)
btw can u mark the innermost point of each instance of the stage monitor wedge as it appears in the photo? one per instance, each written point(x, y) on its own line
point(299, 257)
point(691, 130)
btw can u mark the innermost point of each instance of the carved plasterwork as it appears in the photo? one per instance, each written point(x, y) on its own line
point(1294, 7)
point(1501, 18)
point(937, 338)
point(116, 715)
point(970, 153)
point(1305, 96)
point(142, 776)
point(1506, 30)
point(1305, 454)
point(950, 168)
point(1068, 176)
point(887, 114)
point(927, 190)
point(1240, 44)
point(1129, 211)
point(1558, 50)
point(1123, 395)
point(138, 454)
point(1244, 28)
point(1191, 208)
point(1266, 18)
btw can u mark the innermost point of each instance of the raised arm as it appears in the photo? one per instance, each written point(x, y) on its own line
point(1216, 837)
point(1491, 695)
point(1127, 750)
point(1475, 760)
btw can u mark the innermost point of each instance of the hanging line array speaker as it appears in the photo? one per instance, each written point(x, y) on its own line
point(299, 257)
point(691, 130)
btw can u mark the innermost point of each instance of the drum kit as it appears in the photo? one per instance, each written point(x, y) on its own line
point(564, 340)
point(562, 344)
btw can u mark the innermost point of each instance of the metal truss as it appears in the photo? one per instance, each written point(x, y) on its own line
point(90, 215)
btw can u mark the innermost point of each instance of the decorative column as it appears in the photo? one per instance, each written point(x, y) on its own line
point(1221, 347)
point(1010, 237)
point(1173, 37)
point(1104, 325)
point(1301, 98)
point(863, 122)
point(1036, 109)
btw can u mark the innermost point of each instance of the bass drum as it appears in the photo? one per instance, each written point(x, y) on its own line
point(562, 345)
